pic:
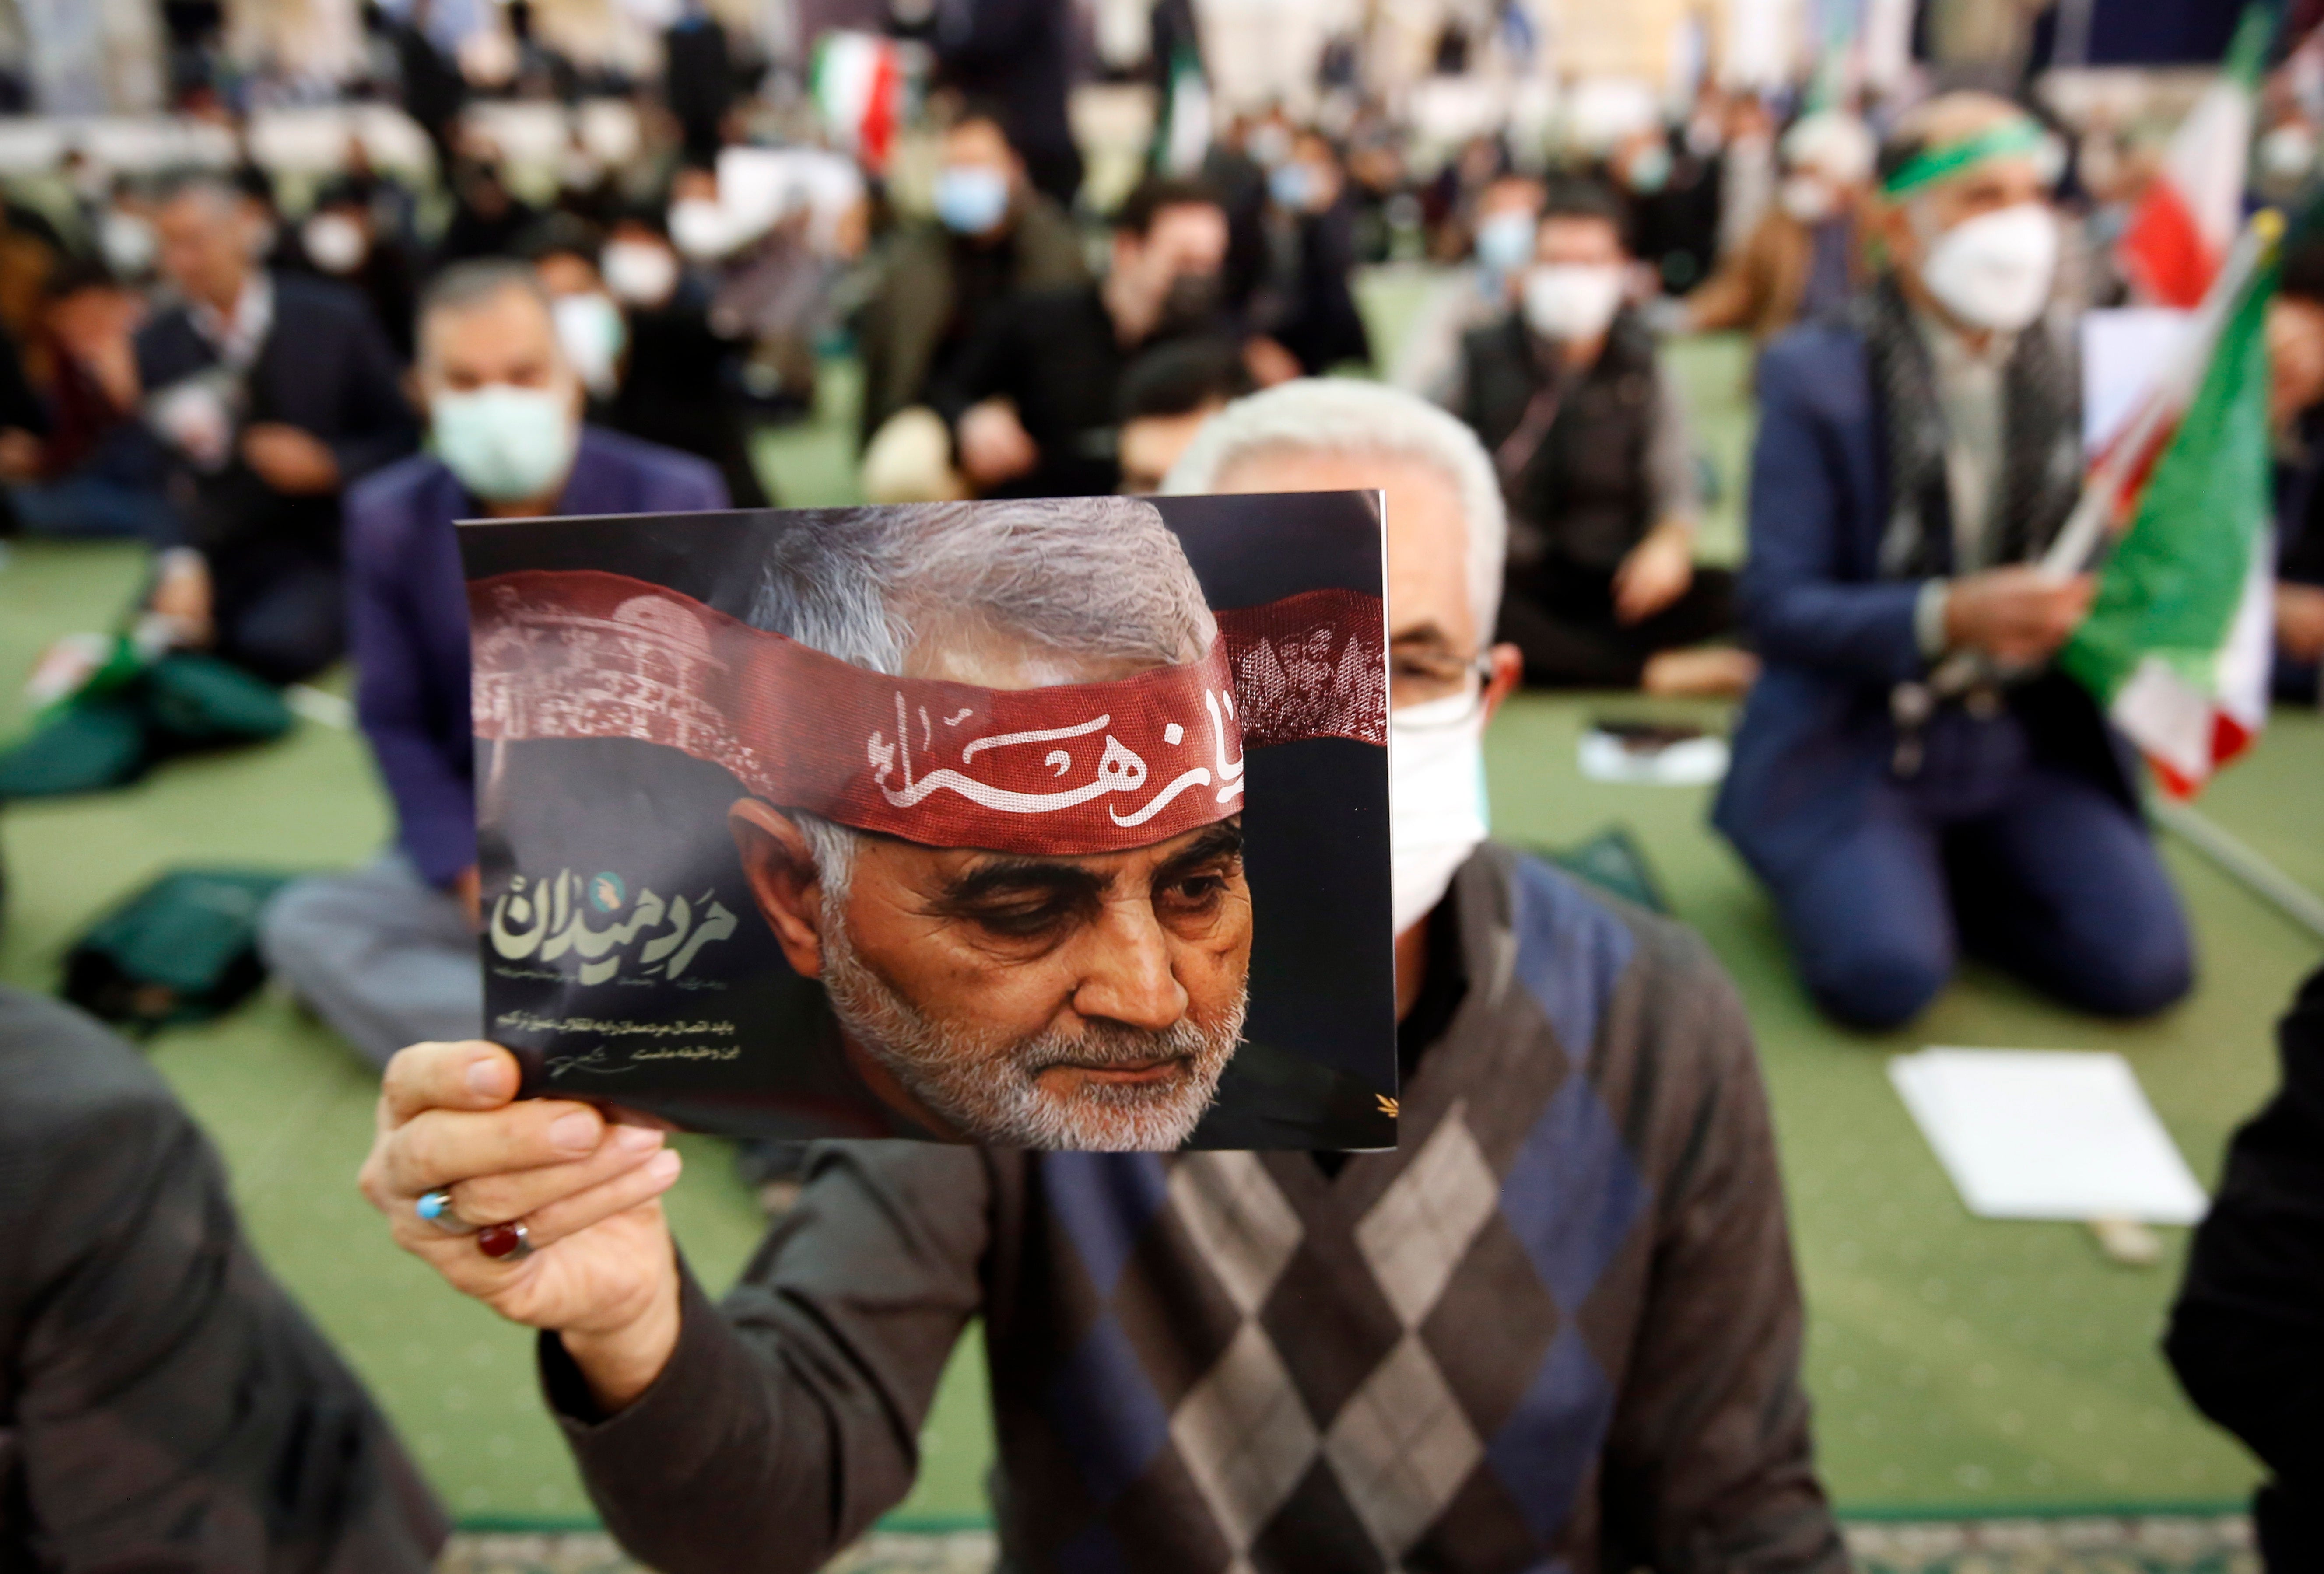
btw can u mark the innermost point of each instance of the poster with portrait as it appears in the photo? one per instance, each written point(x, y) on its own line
point(1055, 823)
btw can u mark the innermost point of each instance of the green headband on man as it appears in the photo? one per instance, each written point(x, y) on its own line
point(2020, 136)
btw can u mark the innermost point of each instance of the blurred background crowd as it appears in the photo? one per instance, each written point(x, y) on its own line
point(803, 252)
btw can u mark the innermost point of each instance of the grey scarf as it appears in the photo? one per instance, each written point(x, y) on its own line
point(2042, 472)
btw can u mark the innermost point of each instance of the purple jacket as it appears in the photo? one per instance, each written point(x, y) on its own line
point(408, 619)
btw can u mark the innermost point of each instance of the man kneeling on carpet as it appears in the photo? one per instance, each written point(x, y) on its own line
point(387, 954)
point(1916, 455)
point(1559, 1323)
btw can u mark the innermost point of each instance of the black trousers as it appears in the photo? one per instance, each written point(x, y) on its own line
point(279, 608)
point(1560, 614)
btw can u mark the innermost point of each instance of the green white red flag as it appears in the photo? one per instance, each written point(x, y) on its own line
point(857, 81)
point(2179, 234)
point(2178, 643)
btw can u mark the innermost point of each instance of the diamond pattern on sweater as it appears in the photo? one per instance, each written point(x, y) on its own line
point(1238, 1219)
point(1245, 1435)
point(1402, 1447)
point(1416, 1235)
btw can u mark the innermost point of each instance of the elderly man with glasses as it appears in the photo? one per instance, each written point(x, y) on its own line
point(1556, 1326)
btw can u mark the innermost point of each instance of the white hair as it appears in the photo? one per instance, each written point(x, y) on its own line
point(1099, 579)
point(1345, 417)
point(1832, 143)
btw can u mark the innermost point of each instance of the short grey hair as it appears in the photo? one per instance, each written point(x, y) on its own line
point(1343, 416)
point(466, 286)
point(1100, 578)
point(1103, 579)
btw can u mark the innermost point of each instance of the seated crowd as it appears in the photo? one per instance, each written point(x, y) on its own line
point(1602, 1306)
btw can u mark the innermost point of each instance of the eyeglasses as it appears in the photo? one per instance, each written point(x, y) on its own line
point(1417, 679)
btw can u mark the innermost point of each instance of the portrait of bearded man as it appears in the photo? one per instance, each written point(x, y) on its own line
point(992, 816)
point(1042, 1000)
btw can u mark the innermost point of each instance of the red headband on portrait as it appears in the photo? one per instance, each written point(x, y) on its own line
point(1073, 769)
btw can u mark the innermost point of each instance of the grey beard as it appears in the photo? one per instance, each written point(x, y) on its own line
point(993, 1093)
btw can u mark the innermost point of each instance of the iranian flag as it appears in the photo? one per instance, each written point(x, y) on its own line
point(2178, 643)
point(857, 81)
point(2184, 224)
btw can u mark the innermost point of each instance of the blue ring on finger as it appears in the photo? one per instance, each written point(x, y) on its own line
point(436, 1208)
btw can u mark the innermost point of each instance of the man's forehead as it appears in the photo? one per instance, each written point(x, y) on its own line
point(949, 865)
point(968, 650)
point(506, 324)
point(976, 140)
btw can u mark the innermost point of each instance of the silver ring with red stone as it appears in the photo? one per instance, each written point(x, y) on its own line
point(505, 1243)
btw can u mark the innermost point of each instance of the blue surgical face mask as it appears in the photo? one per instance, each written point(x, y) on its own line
point(1504, 242)
point(505, 443)
point(1292, 185)
point(1650, 170)
point(972, 200)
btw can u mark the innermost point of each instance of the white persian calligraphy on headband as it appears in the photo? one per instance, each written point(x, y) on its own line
point(1119, 768)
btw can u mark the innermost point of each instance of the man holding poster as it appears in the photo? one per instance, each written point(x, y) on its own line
point(1556, 1326)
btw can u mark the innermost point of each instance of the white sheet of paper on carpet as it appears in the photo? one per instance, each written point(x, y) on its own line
point(2047, 1134)
point(1690, 762)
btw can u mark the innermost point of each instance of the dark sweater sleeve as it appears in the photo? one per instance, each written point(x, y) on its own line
point(435, 807)
point(788, 1419)
point(378, 424)
point(2248, 1334)
point(1709, 1463)
point(172, 1408)
point(984, 366)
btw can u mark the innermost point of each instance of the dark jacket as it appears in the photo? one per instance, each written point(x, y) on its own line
point(1580, 485)
point(918, 313)
point(2248, 1334)
point(408, 611)
point(1019, 55)
point(1057, 356)
point(678, 390)
point(163, 1405)
point(1556, 1326)
point(1835, 638)
point(1316, 318)
point(326, 368)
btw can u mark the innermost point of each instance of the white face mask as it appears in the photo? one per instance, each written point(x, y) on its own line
point(1572, 302)
point(334, 242)
point(1806, 199)
point(699, 228)
point(1437, 813)
point(2287, 152)
point(639, 272)
point(591, 329)
point(128, 242)
point(1994, 272)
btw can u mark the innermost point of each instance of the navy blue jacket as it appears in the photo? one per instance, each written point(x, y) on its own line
point(408, 620)
point(1816, 736)
point(325, 368)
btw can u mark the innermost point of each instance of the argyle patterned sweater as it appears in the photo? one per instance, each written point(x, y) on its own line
point(1557, 1329)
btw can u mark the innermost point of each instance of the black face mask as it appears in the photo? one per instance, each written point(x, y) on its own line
point(1192, 304)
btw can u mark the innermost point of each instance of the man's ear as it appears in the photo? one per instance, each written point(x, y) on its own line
point(784, 880)
point(1508, 671)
